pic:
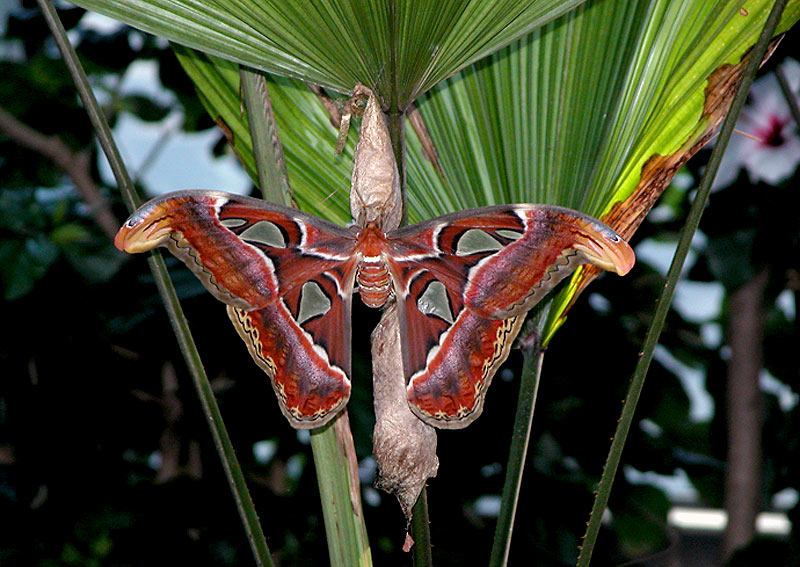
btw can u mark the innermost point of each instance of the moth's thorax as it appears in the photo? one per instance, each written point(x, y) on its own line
point(372, 276)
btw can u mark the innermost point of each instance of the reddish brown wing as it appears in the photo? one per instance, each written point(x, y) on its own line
point(286, 276)
point(465, 281)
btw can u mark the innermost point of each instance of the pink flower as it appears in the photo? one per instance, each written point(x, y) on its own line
point(773, 152)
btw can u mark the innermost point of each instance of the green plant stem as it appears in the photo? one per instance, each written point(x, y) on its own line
point(788, 95)
point(397, 133)
point(529, 387)
point(96, 116)
point(339, 490)
point(421, 530)
point(673, 275)
point(167, 291)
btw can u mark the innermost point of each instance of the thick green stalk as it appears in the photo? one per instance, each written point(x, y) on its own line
point(397, 132)
point(168, 295)
point(673, 275)
point(339, 490)
point(421, 532)
point(267, 149)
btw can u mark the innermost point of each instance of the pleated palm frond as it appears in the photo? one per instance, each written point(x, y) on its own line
point(571, 113)
point(568, 114)
point(400, 48)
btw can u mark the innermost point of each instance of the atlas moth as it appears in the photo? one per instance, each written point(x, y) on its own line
point(462, 281)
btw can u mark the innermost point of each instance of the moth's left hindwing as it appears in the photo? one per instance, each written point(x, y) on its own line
point(286, 276)
point(465, 282)
point(310, 387)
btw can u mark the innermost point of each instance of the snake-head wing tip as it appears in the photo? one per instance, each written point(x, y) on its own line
point(606, 249)
point(140, 234)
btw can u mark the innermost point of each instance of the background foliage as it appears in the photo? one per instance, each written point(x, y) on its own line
point(104, 458)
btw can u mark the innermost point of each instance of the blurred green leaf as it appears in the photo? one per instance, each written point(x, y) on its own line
point(95, 261)
point(20, 212)
point(144, 107)
point(640, 524)
point(70, 233)
point(23, 262)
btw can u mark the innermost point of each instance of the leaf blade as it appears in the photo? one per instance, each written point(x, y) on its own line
point(402, 49)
